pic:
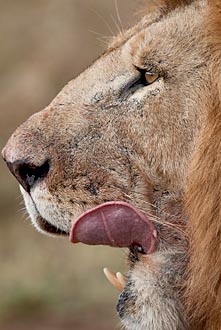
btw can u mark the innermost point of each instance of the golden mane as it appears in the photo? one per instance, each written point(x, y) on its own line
point(203, 201)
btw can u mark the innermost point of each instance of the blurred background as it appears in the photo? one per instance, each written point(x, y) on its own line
point(48, 283)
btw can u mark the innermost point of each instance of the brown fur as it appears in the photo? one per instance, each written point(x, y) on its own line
point(158, 146)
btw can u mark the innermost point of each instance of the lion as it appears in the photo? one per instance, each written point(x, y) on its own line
point(129, 155)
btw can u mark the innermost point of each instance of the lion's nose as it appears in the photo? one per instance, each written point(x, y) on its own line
point(28, 174)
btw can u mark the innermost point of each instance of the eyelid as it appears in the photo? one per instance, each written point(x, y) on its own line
point(149, 70)
point(146, 69)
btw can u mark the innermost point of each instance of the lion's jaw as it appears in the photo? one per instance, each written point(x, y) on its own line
point(109, 136)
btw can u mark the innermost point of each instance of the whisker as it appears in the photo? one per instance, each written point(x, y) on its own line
point(21, 202)
point(101, 37)
point(141, 199)
point(18, 197)
point(105, 43)
point(145, 201)
point(103, 20)
point(25, 216)
point(158, 220)
point(118, 15)
point(22, 209)
point(100, 34)
point(116, 24)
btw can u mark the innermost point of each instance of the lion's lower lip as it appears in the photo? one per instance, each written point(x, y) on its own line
point(49, 228)
point(41, 223)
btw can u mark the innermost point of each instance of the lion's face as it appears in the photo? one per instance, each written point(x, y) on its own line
point(125, 131)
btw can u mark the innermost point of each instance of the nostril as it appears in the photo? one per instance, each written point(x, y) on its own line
point(31, 173)
point(27, 174)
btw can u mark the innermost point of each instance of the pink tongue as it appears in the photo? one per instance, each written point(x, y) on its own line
point(117, 224)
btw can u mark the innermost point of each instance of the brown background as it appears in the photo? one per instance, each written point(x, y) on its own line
point(48, 283)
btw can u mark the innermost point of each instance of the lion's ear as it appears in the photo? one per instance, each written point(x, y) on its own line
point(203, 199)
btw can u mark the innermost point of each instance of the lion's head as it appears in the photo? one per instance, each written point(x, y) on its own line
point(117, 153)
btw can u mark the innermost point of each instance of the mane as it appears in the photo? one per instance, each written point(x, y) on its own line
point(203, 198)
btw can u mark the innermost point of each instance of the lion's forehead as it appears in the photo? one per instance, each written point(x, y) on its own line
point(157, 31)
point(176, 41)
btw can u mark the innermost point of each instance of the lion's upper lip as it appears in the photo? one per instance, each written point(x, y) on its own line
point(117, 224)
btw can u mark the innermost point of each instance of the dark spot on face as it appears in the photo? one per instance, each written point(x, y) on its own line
point(112, 169)
point(91, 188)
point(126, 301)
point(123, 298)
point(135, 251)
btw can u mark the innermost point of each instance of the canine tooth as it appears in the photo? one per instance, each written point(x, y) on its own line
point(112, 278)
point(121, 278)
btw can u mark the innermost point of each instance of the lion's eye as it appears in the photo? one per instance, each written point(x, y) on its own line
point(150, 77)
point(145, 78)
